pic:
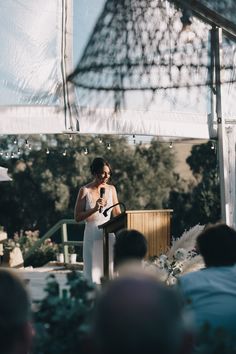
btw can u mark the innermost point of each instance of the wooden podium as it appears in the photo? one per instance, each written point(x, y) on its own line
point(154, 224)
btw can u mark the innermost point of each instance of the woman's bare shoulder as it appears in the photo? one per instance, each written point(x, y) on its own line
point(112, 187)
point(84, 190)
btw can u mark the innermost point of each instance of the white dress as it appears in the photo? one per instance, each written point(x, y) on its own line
point(93, 241)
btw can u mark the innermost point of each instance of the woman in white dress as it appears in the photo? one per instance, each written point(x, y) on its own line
point(89, 207)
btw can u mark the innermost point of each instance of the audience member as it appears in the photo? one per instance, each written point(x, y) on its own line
point(137, 314)
point(15, 325)
point(130, 245)
point(211, 292)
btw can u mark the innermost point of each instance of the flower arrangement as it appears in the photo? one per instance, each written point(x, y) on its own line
point(181, 258)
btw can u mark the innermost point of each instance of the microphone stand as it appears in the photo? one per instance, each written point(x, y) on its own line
point(112, 206)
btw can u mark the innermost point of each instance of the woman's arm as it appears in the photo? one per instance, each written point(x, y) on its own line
point(80, 213)
point(116, 210)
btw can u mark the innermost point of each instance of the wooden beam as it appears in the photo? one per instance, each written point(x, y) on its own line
point(209, 16)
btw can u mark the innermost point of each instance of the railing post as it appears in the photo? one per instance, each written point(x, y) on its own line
point(64, 238)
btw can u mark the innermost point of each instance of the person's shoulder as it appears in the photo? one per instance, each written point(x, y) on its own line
point(86, 187)
point(111, 187)
point(84, 190)
point(193, 276)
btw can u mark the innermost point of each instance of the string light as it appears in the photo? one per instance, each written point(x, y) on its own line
point(26, 145)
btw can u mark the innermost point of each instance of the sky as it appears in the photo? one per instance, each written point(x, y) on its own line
point(86, 14)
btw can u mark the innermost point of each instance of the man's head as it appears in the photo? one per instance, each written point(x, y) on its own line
point(15, 326)
point(217, 245)
point(136, 314)
point(130, 245)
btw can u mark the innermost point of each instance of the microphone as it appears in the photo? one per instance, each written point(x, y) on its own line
point(112, 206)
point(102, 193)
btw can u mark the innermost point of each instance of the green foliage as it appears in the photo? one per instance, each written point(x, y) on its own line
point(62, 318)
point(45, 186)
point(201, 202)
point(43, 254)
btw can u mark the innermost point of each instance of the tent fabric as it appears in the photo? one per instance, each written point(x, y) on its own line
point(32, 66)
point(36, 59)
point(230, 177)
point(165, 124)
point(140, 62)
point(32, 120)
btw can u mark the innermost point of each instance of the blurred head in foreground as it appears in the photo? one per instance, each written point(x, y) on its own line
point(136, 314)
point(217, 245)
point(130, 245)
point(15, 325)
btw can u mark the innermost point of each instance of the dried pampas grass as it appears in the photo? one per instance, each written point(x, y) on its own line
point(193, 264)
point(187, 241)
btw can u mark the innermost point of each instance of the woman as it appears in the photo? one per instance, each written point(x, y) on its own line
point(90, 203)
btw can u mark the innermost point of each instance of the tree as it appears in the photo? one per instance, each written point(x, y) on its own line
point(45, 185)
point(201, 203)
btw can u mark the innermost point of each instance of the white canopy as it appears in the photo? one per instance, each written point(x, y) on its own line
point(34, 45)
point(37, 44)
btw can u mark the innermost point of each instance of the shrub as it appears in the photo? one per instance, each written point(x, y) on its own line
point(43, 254)
point(62, 317)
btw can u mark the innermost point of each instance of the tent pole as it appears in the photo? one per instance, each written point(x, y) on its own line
point(216, 40)
point(67, 65)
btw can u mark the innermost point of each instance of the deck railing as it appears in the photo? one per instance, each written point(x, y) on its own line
point(62, 224)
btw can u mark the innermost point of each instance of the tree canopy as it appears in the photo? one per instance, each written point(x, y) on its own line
point(46, 179)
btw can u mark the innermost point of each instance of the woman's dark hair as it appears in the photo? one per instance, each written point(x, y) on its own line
point(97, 165)
point(129, 245)
point(217, 245)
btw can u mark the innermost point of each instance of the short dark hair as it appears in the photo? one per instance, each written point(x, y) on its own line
point(217, 245)
point(138, 314)
point(97, 165)
point(129, 245)
point(15, 308)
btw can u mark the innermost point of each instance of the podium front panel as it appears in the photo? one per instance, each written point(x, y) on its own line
point(155, 225)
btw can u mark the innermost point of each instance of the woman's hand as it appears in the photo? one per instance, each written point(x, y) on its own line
point(100, 203)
